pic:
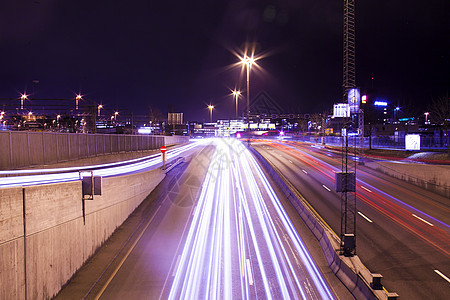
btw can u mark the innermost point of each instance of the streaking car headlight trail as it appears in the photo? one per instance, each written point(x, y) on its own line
point(241, 244)
point(55, 175)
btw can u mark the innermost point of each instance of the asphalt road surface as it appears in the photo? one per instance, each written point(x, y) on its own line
point(215, 228)
point(402, 230)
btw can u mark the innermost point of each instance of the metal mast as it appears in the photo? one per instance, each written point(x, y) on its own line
point(349, 47)
point(346, 179)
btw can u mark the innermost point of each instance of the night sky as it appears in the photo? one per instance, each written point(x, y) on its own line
point(178, 55)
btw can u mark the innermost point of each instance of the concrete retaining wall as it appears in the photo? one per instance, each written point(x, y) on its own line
point(435, 178)
point(43, 238)
point(20, 149)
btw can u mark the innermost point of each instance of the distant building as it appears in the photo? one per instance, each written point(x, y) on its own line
point(175, 119)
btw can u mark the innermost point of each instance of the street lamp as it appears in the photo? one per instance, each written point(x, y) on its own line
point(116, 113)
point(396, 113)
point(210, 112)
point(22, 98)
point(426, 117)
point(77, 98)
point(99, 108)
point(248, 62)
point(236, 95)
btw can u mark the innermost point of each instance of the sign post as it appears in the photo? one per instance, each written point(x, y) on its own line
point(163, 150)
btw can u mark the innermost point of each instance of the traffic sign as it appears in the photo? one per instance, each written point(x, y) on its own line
point(163, 149)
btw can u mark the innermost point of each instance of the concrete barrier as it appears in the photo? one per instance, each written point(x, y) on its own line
point(44, 238)
point(21, 149)
point(435, 178)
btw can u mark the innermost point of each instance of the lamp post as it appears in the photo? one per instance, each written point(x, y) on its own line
point(210, 112)
point(396, 114)
point(248, 62)
point(116, 113)
point(426, 117)
point(77, 98)
point(236, 95)
point(99, 108)
point(22, 98)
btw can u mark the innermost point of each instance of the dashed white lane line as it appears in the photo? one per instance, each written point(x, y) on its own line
point(325, 187)
point(367, 219)
point(249, 273)
point(176, 266)
point(442, 275)
point(304, 172)
point(366, 189)
point(291, 161)
point(425, 221)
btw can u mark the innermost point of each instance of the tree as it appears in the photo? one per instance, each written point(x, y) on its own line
point(440, 114)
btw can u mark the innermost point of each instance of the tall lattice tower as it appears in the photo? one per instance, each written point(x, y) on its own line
point(349, 47)
point(346, 179)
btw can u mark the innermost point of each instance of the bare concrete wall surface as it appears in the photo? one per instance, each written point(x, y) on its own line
point(12, 280)
point(435, 178)
point(58, 240)
point(21, 149)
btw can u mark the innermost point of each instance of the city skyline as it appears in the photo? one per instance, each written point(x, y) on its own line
point(182, 55)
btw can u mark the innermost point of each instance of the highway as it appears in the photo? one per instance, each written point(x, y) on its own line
point(402, 230)
point(223, 234)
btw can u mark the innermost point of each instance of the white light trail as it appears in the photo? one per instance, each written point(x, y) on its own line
point(222, 259)
point(105, 170)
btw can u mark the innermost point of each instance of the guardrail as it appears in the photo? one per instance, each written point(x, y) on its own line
point(358, 279)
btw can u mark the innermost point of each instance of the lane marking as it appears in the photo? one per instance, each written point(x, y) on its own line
point(367, 219)
point(366, 189)
point(126, 256)
point(325, 187)
point(249, 273)
point(442, 275)
point(241, 243)
point(304, 172)
point(291, 161)
point(425, 221)
point(176, 266)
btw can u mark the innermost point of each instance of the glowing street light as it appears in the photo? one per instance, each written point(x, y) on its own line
point(248, 61)
point(99, 108)
point(77, 98)
point(116, 113)
point(236, 94)
point(210, 112)
point(426, 117)
point(22, 98)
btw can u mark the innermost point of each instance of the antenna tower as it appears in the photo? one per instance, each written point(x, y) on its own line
point(346, 179)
